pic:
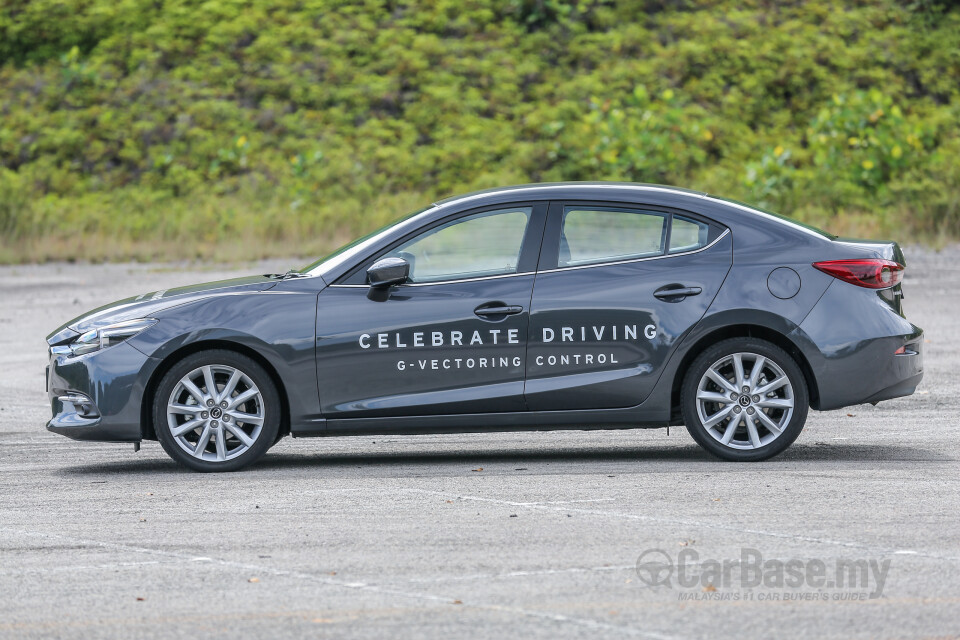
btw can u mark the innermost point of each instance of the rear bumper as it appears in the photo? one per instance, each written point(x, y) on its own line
point(898, 390)
point(871, 374)
point(854, 339)
point(97, 396)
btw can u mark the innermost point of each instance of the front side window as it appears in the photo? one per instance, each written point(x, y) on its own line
point(603, 234)
point(484, 244)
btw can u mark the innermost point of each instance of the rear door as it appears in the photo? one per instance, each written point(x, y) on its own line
point(617, 287)
point(452, 339)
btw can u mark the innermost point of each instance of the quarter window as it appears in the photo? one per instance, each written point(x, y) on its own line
point(484, 244)
point(687, 234)
point(601, 234)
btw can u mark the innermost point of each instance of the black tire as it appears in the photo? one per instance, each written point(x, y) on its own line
point(267, 404)
point(745, 445)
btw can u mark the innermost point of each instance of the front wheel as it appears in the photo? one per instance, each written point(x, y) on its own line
point(216, 410)
point(744, 399)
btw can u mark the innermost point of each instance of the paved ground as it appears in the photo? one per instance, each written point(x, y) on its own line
point(533, 535)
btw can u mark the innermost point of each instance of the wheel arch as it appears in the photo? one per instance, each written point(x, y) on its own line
point(147, 431)
point(742, 330)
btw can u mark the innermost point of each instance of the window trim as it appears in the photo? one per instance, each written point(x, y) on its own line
point(530, 246)
point(430, 284)
point(592, 265)
point(550, 247)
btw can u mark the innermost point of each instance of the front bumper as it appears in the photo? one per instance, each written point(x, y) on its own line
point(113, 380)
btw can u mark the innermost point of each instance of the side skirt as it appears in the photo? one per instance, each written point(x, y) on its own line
point(631, 418)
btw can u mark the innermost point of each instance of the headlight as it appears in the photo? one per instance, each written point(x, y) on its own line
point(104, 337)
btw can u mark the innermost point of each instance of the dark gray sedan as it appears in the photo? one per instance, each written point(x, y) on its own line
point(553, 306)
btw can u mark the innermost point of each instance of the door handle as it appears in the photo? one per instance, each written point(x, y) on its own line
point(498, 310)
point(672, 291)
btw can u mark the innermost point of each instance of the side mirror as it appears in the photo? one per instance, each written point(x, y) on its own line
point(388, 271)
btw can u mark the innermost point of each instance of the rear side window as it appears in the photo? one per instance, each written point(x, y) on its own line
point(604, 234)
point(688, 235)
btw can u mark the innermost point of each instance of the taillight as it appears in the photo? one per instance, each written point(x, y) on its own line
point(872, 274)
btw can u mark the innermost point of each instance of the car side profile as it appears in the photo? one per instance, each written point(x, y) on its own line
point(538, 307)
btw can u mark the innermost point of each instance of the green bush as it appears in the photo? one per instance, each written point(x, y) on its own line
point(232, 129)
point(639, 139)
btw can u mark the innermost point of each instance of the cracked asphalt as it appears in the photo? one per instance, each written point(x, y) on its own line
point(518, 534)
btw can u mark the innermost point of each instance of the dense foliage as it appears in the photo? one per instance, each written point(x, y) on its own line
point(234, 129)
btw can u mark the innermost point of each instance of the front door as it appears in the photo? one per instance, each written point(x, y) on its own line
point(618, 287)
point(452, 339)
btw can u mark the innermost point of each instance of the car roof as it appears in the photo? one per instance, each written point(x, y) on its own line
point(565, 189)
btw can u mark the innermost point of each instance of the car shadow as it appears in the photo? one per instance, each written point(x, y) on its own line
point(454, 461)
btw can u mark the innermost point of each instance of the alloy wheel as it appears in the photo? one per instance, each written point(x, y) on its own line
point(215, 412)
point(745, 401)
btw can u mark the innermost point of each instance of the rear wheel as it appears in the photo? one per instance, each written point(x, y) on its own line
point(744, 399)
point(216, 410)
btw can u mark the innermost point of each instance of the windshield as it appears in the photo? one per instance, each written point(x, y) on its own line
point(346, 251)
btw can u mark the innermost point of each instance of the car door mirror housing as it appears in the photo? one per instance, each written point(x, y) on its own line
point(387, 272)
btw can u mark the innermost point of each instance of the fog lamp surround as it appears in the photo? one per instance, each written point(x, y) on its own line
point(84, 406)
point(108, 336)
